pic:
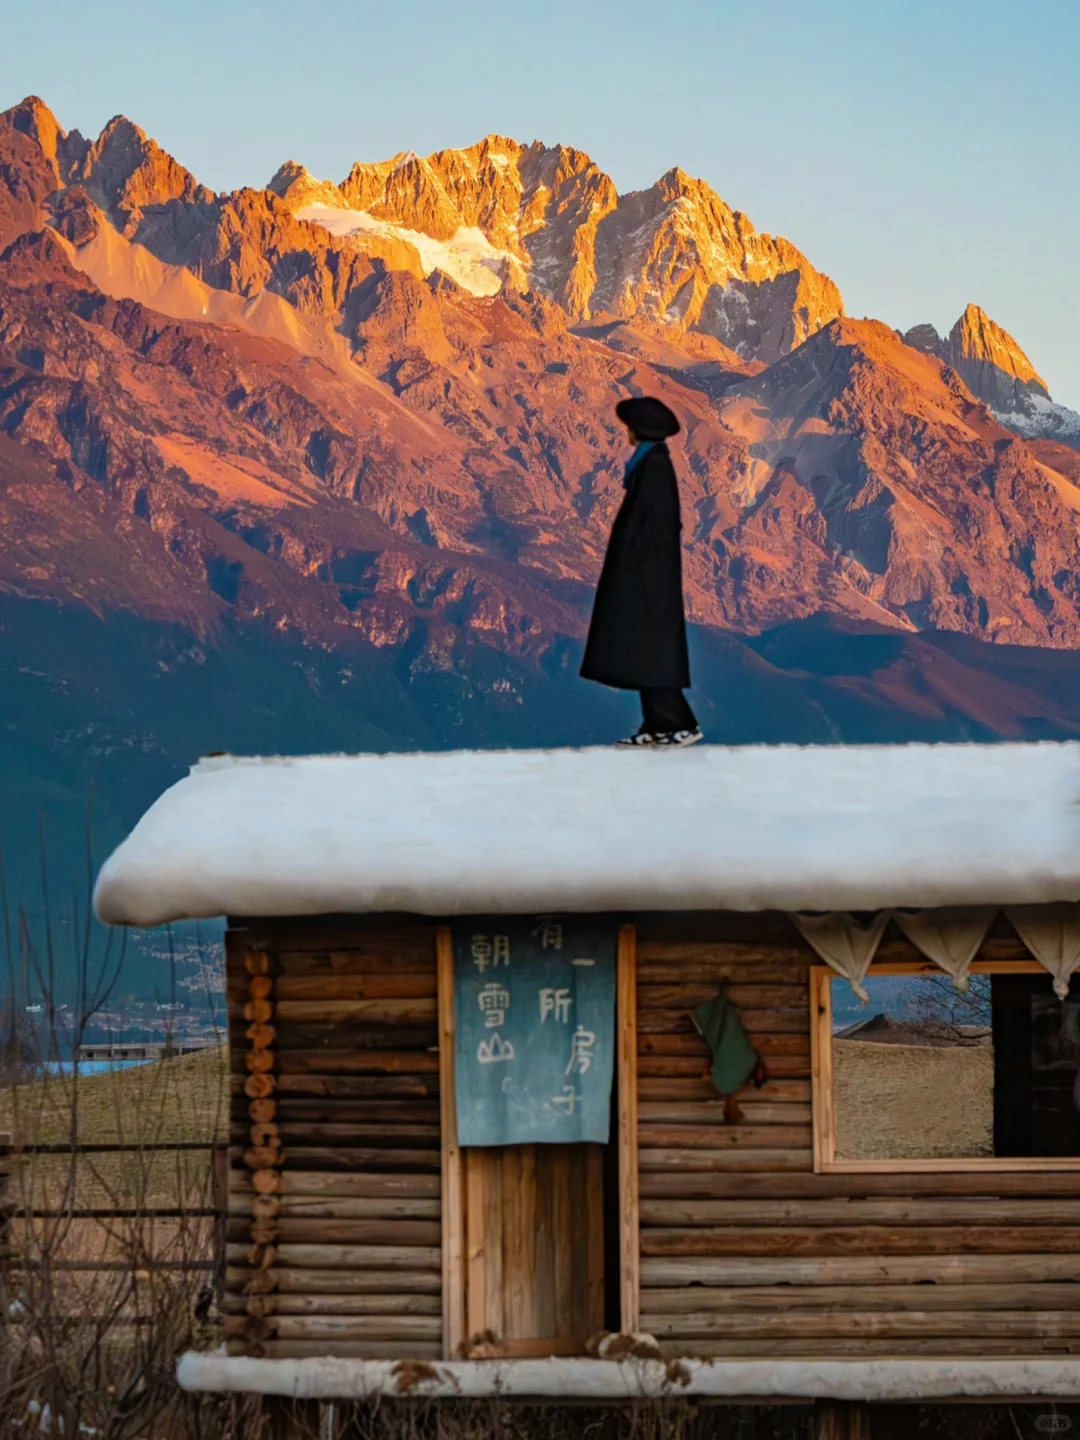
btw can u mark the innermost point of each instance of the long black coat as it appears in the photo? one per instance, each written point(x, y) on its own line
point(637, 638)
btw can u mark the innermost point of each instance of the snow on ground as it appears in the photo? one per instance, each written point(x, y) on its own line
point(468, 257)
point(534, 831)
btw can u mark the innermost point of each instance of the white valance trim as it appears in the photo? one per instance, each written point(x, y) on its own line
point(951, 938)
point(845, 943)
point(1052, 934)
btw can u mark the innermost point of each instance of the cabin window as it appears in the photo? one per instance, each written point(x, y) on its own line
point(926, 1077)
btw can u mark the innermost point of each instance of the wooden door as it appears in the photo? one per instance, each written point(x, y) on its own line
point(524, 1225)
point(534, 1248)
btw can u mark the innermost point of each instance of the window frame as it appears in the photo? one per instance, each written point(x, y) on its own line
point(823, 1103)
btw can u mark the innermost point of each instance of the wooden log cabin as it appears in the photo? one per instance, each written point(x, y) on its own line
point(418, 946)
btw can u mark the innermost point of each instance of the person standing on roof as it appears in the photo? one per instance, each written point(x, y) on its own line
point(637, 637)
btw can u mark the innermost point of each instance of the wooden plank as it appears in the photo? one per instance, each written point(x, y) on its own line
point(593, 1311)
point(330, 1304)
point(857, 1212)
point(478, 1239)
point(376, 985)
point(711, 955)
point(821, 1077)
point(869, 1324)
point(453, 1220)
point(856, 1349)
point(332, 1207)
point(354, 1257)
point(345, 1349)
point(340, 1157)
point(697, 1065)
point(698, 1112)
point(731, 1159)
point(385, 1010)
point(359, 1062)
point(719, 1136)
point(677, 994)
point(302, 1280)
point(407, 1134)
point(359, 1086)
point(794, 1186)
point(358, 1327)
point(427, 1233)
point(396, 959)
point(335, 1183)
point(629, 1166)
point(858, 1270)
point(757, 1022)
point(686, 1089)
point(862, 1240)
point(692, 1045)
point(701, 972)
point(333, 1109)
point(696, 1299)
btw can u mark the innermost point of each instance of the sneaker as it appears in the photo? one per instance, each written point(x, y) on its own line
point(640, 741)
point(679, 738)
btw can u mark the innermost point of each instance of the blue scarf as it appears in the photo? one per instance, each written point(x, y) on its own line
point(636, 458)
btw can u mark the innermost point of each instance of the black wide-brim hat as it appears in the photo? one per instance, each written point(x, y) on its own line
point(648, 418)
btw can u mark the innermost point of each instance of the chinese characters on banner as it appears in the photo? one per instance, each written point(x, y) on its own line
point(534, 1014)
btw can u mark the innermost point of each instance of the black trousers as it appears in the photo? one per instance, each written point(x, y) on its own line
point(664, 709)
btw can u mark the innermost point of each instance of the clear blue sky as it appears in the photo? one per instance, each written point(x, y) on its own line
point(923, 152)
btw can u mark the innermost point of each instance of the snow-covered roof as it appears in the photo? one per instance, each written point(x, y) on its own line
point(534, 831)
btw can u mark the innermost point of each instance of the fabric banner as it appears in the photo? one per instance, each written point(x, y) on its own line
point(951, 938)
point(534, 1016)
point(845, 943)
point(1052, 934)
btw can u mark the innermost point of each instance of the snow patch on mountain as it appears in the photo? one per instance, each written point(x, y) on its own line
point(1040, 417)
point(468, 256)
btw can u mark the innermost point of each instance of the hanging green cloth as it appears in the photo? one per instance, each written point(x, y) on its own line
point(735, 1060)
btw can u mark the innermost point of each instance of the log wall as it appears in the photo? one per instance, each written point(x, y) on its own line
point(334, 1230)
point(745, 1251)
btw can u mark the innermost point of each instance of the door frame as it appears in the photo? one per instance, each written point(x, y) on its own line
point(453, 1193)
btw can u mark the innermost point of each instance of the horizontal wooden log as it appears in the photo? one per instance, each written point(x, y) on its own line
point(719, 1136)
point(386, 1010)
point(337, 1183)
point(868, 1324)
point(342, 1157)
point(712, 973)
point(329, 1304)
point(349, 1257)
point(337, 1207)
point(375, 985)
point(304, 1280)
point(405, 1133)
point(681, 995)
point(857, 1349)
point(858, 1270)
point(332, 1109)
point(696, 1299)
point(859, 1212)
point(863, 1240)
point(337, 1348)
point(757, 1022)
point(687, 1090)
point(756, 958)
point(371, 960)
point(899, 1183)
point(345, 1327)
point(330, 1061)
point(691, 1044)
point(305, 1230)
point(733, 1159)
point(360, 1036)
point(697, 1065)
point(711, 1112)
point(359, 1087)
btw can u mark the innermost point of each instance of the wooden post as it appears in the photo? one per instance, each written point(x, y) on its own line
point(264, 1155)
point(453, 1217)
point(841, 1420)
point(626, 1024)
